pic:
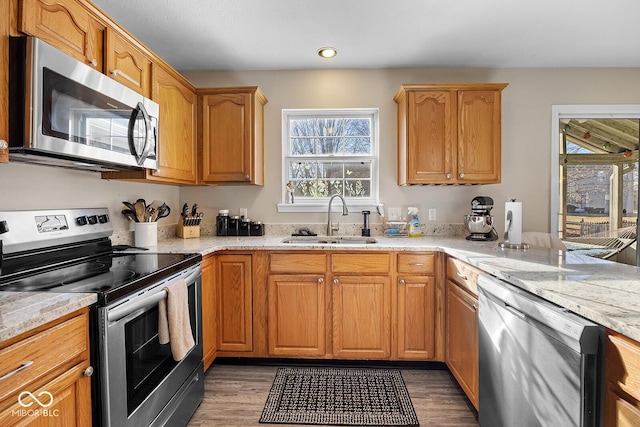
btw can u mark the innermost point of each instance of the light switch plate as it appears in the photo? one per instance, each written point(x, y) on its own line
point(395, 214)
point(432, 214)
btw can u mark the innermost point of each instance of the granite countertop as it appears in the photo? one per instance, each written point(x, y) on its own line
point(605, 292)
point(23, 311)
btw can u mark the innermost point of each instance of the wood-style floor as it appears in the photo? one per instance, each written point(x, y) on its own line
point(236, 394)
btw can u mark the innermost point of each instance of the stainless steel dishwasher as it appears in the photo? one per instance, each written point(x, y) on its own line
point(539, 363)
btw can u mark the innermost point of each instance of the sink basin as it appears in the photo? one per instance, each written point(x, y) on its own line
point(330, 240)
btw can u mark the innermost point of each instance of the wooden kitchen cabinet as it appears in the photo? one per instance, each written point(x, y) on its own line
point(235, 303)
point(231, 133)
point(126, 63)
point(209, 311)
point(67, 25)
point(297, 301)
point(416, 310)
point(622, 381)
point(59, 374)
point(361, 305)
point(449, 133)
point(5, 13)
point(461, 326)
point(177, 145)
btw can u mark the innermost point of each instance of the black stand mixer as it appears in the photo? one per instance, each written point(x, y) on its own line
point(480, 222)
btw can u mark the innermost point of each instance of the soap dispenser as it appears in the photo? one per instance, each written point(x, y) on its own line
point(366, 232)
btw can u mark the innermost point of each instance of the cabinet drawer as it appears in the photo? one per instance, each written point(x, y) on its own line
point(361, 263)
point(463, 274)
point(298, 263)
point(416, 263)
point(622, 357)
point(44, 353)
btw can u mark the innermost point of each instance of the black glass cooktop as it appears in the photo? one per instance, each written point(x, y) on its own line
point(111, 276)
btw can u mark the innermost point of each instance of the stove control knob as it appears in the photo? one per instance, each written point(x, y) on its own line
point(93, 219)
point(103, 219)
point(81, 220)
point(4, 227)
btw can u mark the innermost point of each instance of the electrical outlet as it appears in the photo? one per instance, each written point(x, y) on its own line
point(432, 214)
point(395, 214)
point(243, 213)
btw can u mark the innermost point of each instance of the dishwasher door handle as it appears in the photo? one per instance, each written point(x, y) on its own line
point(515, 311)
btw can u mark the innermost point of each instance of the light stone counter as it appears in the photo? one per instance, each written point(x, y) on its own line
point(23, 311)
point(605, 292)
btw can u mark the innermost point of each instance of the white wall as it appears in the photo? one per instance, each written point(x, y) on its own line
point(526, 139)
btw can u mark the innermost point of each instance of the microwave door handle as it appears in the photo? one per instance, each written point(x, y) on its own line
point(140, 157)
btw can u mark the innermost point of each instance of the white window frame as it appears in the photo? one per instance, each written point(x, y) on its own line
point(320, 205)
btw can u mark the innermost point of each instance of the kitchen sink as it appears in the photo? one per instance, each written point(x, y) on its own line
point(330, 240)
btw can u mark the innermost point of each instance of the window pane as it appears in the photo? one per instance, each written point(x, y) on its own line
point(300, 170)
point(331, 170)
point(357, 170)
point(357, 188)
point(303, 146)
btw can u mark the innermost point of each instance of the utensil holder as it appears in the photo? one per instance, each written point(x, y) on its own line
point(187, 231)
point(146, 234)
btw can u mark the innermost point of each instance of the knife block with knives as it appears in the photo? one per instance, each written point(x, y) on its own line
point(189, 223)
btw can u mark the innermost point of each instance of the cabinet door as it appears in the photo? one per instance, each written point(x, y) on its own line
point(177, 128)
point(619, 412)
point(70, 403)
point(297, 325)
point(361, 317)
point(416, 317)
point(462, 339)
point(66, 25)
point(479, 136)
point(232, 132)
point(431, 132)
point(235, 294)
point(127, 64)
point(209, 309)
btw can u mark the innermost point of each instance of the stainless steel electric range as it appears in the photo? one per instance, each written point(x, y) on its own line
point(137, 380)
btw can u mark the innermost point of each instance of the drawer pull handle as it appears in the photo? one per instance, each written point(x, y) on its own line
point(419, 264)
point(19, 369)
point(462, 276)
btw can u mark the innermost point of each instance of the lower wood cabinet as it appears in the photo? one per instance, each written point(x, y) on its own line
point(461, 327)
point(59, 370)
point(361, 316)
point(622, 381)
point(416, 310)
point(235, 303)
point(209, 311)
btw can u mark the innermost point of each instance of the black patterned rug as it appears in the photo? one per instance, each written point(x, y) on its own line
point(339, 396)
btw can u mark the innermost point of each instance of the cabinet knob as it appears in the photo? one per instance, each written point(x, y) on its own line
point(88, 372)
point(93, 62)
point(448, 176)
point(401, 281)
point(336, 281)
point(3, 144)
point(247, 177)
point(320, 281)
point(461, 175)
point(115, 73)
point(475, 307)
point(462, 276)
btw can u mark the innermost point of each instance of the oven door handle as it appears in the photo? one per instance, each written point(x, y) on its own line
point(129, 307)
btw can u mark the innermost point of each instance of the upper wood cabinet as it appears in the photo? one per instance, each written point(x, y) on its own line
point(67, 25)
point(449, 134)
point(231, 131)
point(177, 147)
point(127, 64)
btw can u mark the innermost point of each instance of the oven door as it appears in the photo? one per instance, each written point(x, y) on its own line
point(139, 377)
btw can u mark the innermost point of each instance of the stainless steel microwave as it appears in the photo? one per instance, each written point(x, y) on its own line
point(64, 113)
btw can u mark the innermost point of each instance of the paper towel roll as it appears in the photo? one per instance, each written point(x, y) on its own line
point(513, 222)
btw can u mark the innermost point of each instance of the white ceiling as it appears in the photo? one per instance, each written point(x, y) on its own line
point(286, 34)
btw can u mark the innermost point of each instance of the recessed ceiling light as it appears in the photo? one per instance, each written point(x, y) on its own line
point(327, 52)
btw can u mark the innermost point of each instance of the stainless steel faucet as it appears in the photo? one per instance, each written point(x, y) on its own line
point(345, 211)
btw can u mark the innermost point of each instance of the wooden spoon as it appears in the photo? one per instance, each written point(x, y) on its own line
point(141, 208)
